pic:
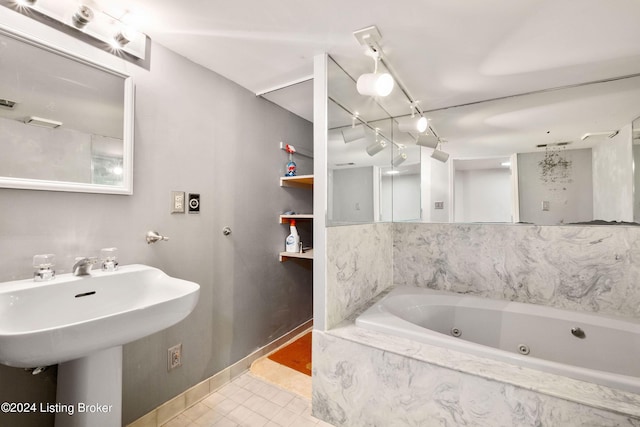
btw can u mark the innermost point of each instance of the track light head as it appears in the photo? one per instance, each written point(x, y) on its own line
point(375, 84)
point(413, 124)
point(430, 141)
point(441, 156)
point(376, 147)
point(397, 160)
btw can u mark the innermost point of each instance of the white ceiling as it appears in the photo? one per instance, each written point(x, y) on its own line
point(445, 53)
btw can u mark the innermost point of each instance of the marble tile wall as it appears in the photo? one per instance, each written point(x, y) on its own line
point(588, 268)
point(359, 266)
point(358, 385)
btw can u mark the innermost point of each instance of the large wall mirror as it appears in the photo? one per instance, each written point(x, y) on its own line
point(66, 123)
point(561, 156)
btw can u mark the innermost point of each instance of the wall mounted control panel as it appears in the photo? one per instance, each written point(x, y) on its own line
point(194, 203)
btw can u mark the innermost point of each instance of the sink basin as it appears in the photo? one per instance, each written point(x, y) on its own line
point(46, 323)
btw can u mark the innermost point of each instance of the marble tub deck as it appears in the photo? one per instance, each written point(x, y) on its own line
point(406, 365)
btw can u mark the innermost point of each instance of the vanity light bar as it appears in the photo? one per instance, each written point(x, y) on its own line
point(45, 123)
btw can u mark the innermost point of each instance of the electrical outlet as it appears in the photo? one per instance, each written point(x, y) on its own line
point(174, 357)
point(177, 200)
point(439, 205)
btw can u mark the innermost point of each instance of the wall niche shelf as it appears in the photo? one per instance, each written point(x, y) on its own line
point(301, 181)
point(285, 256)
point(284, 219)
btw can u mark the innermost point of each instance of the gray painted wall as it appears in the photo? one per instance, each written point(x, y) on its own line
point(353, 198)
point(196, 132)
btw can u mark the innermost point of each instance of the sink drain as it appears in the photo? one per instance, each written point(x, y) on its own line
point(456, 332)
point(523, 349)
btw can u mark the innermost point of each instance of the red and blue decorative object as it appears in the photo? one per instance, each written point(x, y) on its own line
point(291, 166)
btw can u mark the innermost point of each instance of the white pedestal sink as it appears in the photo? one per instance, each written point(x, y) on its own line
point(81, 324)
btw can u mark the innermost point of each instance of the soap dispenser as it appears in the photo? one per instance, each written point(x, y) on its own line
point(293, 239)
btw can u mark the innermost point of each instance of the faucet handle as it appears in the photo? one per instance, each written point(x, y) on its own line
point(43, 267)
point(109, 258)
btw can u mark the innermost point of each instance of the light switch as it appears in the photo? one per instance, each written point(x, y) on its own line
point(545, 205)
point(177, 202)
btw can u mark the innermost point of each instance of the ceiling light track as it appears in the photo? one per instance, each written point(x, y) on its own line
point(355, 117)
point(536, 92)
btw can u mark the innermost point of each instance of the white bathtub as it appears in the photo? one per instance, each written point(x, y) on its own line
point(608, 353)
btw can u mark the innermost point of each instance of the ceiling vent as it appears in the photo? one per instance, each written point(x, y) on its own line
point(5, 103)
point(45, 123)
point(554, 144)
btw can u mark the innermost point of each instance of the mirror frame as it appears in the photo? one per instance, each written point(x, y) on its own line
point(127, 137)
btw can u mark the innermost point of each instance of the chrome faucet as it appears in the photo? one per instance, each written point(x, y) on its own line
point(82, 266)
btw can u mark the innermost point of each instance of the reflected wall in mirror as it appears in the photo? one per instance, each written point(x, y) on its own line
point(551, 157)
point(65, 123)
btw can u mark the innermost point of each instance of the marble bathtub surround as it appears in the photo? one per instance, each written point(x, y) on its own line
point(367, 378)
point(359, 266)
point(364, 377)
point(583, 268)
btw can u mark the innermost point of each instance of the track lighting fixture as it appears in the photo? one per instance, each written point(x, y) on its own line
point(397, 160)
point(377, 146)
point(430, 141)
point(373, 84)
point(82, 17)
point(357, 133)
point(440, 156)
point(414, 123)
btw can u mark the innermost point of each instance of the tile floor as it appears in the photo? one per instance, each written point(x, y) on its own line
point(249, 401)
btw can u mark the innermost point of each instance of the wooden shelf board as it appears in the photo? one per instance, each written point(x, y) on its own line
point(284, 219)
point(300, 181)
point(284, 256)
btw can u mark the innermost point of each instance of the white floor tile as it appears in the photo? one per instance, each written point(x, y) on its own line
point(298, 405)
point(284, 417)
point(282, 397)
point(225, 422)
point(249, 401)
point(254, 420)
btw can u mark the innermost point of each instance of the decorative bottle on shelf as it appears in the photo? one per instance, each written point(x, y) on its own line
point(293, 239)
point(291, 166)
